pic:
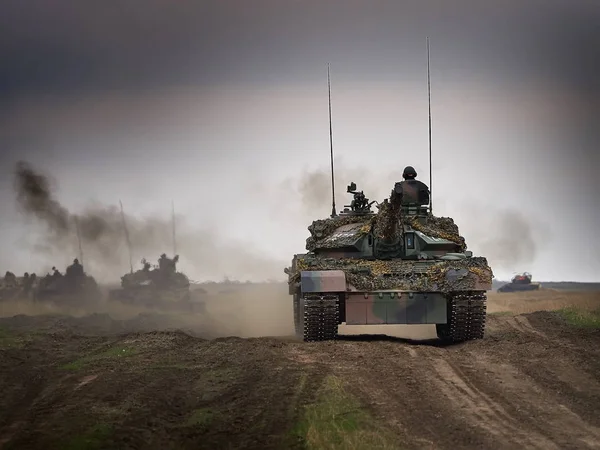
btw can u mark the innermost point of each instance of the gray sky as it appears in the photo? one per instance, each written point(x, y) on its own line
point(222, 107)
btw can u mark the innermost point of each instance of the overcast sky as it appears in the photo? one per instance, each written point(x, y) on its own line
point(221, 106)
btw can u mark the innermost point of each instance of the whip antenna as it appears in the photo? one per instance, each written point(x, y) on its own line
point(333, 213)
point(429, 101)
point(126, 236)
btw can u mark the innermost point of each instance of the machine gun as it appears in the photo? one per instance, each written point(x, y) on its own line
point(360, 204)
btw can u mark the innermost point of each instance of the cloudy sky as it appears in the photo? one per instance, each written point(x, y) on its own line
point(221, 106)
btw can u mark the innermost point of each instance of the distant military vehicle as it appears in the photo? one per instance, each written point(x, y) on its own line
point(519, 283)
point(74, 287)
point(160, 287)
point(401, 265)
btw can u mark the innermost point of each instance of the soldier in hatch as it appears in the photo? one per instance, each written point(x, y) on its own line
point(413, 191)
point(163, 262)
point(76, 269)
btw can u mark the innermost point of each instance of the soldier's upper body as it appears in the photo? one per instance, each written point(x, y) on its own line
point(75, 269)
point(413, 192)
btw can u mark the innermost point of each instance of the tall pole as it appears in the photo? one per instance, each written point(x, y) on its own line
point(429, 101)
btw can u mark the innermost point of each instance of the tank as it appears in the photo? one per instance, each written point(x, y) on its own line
point(160, 287)
point(519, 283)
point(75, 287)
point(399, 265)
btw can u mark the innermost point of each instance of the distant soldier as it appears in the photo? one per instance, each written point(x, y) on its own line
point(76, 268)
point(55, 273)
point(413, 192)
point(163, 262)
point(146, 265)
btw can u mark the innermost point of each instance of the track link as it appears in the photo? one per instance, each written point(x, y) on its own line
point(318, 317)
point(466, 317)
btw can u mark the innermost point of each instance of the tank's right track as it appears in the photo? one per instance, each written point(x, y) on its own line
point(319, 314)
point(466, 317)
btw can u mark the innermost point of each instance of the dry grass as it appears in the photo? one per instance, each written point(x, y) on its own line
point(542, 300)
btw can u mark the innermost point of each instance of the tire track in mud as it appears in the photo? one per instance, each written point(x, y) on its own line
point(480, 394)
point(482, 411)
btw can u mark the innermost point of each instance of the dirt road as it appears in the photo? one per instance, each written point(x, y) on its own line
point(532, 383)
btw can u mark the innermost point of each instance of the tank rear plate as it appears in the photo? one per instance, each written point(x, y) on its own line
point(378, 308)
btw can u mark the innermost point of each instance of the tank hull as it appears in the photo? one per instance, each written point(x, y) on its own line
point(69, 292)
point(151, 297)
point(451, 296)
point(514, 287)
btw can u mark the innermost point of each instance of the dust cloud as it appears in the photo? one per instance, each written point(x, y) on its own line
point(232, 309)
point(103, 238)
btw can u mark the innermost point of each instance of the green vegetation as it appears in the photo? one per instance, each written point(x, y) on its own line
point(111, 353)
point(337, 421)
point(11, 340)
point(581, 318)
point(94, 438)
point(201, 417)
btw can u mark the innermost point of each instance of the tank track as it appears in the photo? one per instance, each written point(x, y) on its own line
point(466, 317)
point(316, 317)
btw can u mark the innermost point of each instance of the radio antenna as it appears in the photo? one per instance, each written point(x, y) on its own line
point(79, 239)
point(173, 220)
point(333, 212)
point(429, 101)
point(127, 240)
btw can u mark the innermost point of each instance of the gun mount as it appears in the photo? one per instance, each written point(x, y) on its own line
point(360, 204)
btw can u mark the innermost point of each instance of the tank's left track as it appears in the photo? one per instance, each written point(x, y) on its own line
point(316, 316)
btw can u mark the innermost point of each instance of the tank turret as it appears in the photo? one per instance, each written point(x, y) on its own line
point(161, 287)
point(74, 287)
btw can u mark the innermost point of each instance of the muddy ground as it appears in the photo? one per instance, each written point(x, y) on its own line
point(119, 380)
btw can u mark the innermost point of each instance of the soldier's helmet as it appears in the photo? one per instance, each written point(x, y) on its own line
point(409, 173)
point(75, 261)
point(164, 255)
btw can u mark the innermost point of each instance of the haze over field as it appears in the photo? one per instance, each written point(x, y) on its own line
point(223, 108)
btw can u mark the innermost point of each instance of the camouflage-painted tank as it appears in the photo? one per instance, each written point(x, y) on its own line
point(160, 287)
point(400, 265)
point(519, 283)
point(75, 287)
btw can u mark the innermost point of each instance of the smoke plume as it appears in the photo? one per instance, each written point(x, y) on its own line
point(103, 240)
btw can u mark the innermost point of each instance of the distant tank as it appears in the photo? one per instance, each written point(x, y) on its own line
point(73, 288)
point(519, 283)
point(160, 287)
point(401, 265)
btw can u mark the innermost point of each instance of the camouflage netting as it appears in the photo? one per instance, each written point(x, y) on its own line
point(438, 227)
point(398, 274)
point(322, 228)
point(386, 225)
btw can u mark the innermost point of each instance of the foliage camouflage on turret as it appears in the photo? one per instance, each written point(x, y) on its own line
point(322, 228)
point(439, 227)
